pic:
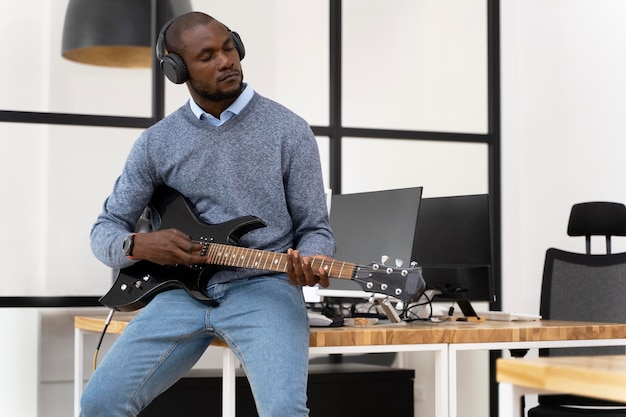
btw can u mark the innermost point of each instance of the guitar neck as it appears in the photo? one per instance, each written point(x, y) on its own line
point(227, 255)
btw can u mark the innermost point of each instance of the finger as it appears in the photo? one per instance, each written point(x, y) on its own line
point(311, 277)
point(322, 278)
point(189, 252)
point(307, 276)
point(301, 266)
point(293, 266)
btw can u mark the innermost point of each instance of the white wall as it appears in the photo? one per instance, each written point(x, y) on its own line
point(563, 103)
point(19, 350)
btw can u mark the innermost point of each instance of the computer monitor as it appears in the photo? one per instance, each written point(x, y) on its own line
point(370, 225)
point(453, 247)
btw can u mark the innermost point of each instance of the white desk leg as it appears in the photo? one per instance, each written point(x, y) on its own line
point(452, 382)
point(509, 400)
point(79, 343)
point(228, 383)
point(441, 382)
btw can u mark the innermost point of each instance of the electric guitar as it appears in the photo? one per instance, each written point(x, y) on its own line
point(136, 285)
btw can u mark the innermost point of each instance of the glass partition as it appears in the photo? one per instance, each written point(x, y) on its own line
point(442, 168)
point(38, 79)
point(419, 65)
point(286, 60)
point(286, 50)
point(54, 181)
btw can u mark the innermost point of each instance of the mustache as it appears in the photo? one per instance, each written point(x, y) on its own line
point(234, 73)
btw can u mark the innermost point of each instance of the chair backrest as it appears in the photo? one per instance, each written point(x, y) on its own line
point(597, 218)
point(580, 287)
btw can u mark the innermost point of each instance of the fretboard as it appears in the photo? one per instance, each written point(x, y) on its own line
point(227, 255)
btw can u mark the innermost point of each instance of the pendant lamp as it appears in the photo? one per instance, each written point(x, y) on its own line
point(114, 33)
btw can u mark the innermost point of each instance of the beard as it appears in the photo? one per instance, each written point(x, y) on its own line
point(215, 95)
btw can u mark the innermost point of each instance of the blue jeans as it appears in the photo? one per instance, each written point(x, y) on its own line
point(263, 320)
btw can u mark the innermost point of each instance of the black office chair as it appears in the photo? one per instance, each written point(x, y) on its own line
point(585, 287)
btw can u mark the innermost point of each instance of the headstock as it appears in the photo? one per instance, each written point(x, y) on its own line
point(405, 284)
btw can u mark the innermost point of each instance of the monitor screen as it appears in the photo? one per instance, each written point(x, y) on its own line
point(370, 225)
point(453, 247)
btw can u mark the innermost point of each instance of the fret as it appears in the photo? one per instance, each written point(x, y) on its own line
point(249, 257)
point(330, 268)
point(341, 270)
point(224, 255)
point(315, 268)
point(257, 259)
point(212, 254)
point(278, 263)
point(273, 263)
point(234, 256)
point(285, 259)
point(231, 259)
point(254, 254)
point(241, 256)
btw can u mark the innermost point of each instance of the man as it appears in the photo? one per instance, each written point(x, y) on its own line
point(231, 153)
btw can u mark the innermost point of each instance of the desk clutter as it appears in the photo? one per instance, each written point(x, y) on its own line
point(361, 311)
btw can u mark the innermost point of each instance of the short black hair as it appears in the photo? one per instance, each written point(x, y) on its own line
point(182, 23)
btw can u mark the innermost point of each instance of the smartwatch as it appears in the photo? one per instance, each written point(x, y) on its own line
point(128, 245)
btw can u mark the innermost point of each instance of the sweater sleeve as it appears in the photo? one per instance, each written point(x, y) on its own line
point(307, 199)
point(121, 210)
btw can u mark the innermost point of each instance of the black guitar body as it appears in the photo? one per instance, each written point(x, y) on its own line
point(137, 285)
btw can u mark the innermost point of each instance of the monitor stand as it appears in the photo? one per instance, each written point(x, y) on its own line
point(389, 309)
point(466, 308)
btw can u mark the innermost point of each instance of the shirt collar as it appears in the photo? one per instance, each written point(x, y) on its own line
point(232, 110)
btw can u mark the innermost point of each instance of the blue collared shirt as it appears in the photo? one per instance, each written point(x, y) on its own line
point(232, 110)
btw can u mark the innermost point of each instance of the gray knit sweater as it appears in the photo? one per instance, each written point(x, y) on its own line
point(262, 162)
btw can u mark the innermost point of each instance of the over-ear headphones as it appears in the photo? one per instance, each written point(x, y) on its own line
point(173, 65)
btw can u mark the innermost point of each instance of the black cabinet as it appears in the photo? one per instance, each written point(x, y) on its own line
point(334, 390)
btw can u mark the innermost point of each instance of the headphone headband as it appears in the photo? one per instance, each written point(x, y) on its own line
point(160, 45)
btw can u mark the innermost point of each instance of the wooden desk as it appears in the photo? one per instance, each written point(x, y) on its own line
point(445, 339)
point(601, 377)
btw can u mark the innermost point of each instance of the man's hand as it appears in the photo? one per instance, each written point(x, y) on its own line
point(300, 271)
point(168, 247)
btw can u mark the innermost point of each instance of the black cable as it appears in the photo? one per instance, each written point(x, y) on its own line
point(104, 330)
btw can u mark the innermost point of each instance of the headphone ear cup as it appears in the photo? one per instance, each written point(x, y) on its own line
point(174, 68)
point(238, 44)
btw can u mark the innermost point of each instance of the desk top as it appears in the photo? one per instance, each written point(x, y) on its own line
point(426, 333)
point(601, 377)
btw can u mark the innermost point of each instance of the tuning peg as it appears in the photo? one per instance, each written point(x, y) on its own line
point(399, 263)
point(384, 259)
point(414, 264)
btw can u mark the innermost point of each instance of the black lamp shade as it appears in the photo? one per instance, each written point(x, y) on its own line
point(113, 33)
